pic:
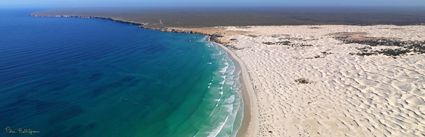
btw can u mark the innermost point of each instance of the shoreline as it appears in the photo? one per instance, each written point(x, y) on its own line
point(249, 126)
point(330, 80)
point(249, 118)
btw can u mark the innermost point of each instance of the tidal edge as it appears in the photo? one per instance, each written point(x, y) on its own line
point(249, 126)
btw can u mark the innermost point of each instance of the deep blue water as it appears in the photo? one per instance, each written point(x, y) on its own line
point(69, 77)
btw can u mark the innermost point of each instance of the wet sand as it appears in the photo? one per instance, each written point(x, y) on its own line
point(334, 80)
point(327, 80)
point(249, 125)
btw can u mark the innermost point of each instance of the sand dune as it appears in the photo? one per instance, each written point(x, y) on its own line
point(309, 83)
point(328, 80)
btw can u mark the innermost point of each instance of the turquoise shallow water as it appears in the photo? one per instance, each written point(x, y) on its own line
point(68, 77)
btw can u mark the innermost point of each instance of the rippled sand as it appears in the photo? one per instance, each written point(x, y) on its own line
point(308, 83)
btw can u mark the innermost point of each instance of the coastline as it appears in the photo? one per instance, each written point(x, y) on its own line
point(93, 17)
point(249, 126)
point(326, 79)
point(249, 121)
point(335, 80)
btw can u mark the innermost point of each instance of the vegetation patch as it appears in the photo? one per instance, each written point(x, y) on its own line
point(303, 81)
point(402, 47)
point(278, 43)
point(314, 27)
point(288, 43)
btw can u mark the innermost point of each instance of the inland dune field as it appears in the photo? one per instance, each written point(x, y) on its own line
point(332, 80)
point(317, 80)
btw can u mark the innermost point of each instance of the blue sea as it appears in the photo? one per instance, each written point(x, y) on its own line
point(71, 77)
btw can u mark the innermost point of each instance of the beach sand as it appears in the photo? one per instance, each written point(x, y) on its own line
point(333, 80)
point(327, 80)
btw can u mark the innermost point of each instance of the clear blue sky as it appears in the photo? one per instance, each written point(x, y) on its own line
point(213, 3)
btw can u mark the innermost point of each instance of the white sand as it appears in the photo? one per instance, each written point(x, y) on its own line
point(350, 95)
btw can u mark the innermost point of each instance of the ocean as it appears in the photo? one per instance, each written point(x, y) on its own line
point(71, 77)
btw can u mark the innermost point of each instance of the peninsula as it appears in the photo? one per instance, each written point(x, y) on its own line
point(312, 75)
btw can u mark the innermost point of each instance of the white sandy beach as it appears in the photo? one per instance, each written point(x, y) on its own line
point(328, 80)
point(318, 86)
point(303, 81)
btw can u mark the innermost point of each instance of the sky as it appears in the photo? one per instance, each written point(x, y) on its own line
point(209, 3)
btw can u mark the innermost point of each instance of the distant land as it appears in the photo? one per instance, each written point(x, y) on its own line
point(309, 71)
point(208, 17)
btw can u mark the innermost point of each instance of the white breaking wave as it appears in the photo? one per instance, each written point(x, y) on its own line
point(229, 102)
point(225, 115)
